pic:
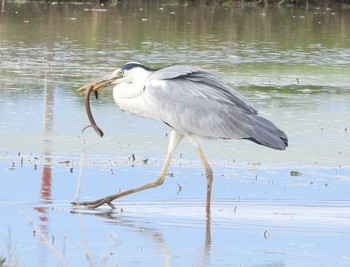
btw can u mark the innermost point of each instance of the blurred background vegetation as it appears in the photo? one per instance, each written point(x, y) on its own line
point(343, 3)
point(289, 2)
point(307, 3)
point(267, 2)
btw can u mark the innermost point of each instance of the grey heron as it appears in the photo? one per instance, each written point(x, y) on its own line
point(195, 104)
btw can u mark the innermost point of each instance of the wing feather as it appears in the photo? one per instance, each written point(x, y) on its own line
point(193, 101)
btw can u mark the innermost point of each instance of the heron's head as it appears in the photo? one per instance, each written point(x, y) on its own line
point(132, 72)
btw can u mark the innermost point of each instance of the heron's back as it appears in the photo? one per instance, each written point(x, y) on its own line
point(195, 102)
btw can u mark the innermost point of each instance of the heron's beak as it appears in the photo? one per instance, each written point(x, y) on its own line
point(97, 85)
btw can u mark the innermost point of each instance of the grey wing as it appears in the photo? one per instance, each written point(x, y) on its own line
point(199, 103)
point(209, 86)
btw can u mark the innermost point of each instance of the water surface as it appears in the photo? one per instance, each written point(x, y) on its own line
point(291, 64)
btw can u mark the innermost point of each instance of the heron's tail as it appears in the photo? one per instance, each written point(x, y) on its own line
point(267, 134)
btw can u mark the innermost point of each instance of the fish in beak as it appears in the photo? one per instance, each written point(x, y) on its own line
point(94, 87)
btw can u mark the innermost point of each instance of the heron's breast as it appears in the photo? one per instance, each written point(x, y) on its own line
point(135, 105)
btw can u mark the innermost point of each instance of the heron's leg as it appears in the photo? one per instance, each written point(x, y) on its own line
point(208, 172)
point(209, 176)
point(174, 140)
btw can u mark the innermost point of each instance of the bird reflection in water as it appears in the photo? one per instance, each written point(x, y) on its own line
point(141, 226)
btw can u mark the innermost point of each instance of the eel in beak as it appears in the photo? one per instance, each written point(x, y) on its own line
point(87, 90)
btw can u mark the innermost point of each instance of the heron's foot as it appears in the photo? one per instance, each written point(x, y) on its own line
point(95, 204)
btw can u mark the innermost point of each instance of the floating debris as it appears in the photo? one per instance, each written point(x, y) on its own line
point(132, 157)
point(266, 234)
point(65, 162)
point(180, 189)
point(295, 173)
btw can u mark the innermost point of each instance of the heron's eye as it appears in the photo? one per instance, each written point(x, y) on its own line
point(120, 73)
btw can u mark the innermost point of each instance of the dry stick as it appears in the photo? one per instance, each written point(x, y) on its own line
point(80, 174)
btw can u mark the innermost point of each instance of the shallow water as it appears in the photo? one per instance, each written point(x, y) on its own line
point(270, 208)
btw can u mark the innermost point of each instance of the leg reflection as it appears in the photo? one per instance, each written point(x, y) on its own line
point(164, 250)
